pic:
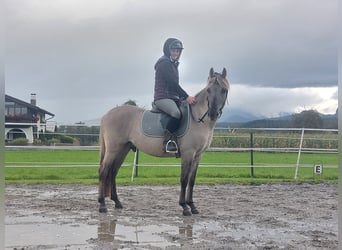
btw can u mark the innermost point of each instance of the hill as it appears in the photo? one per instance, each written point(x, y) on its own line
point(329, 121)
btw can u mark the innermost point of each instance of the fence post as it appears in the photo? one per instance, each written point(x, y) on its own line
point(136, 162)
point(135, 165)
point(252, 160)
point(299, 151)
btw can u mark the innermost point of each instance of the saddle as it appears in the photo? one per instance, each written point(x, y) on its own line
point(151, 125)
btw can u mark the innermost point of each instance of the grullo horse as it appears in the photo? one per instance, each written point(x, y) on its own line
point(121, 131)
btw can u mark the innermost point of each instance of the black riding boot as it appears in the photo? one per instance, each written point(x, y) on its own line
point(170, 142)
point(170, 139)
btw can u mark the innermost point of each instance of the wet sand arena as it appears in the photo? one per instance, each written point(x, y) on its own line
point(271, 216)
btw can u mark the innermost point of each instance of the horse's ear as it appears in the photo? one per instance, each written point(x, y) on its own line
point(211, 72)
point(224, 73)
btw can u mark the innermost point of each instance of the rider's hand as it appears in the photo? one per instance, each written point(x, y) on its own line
point(191, 100)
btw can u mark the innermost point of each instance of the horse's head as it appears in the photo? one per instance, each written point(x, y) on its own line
point(217, 91)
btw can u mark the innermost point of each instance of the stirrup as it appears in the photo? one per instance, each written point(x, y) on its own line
point(171, 143)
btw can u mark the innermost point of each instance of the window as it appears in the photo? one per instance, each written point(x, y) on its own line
point(9, 111)
point(17, 110)
point(23, 110)
point(12, 109)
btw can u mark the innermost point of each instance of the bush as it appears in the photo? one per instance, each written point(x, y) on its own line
point(20, 141)
point(53, 141)
point(66, 139)
point(37, 142)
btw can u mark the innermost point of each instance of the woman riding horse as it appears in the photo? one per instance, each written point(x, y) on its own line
point(168, 92)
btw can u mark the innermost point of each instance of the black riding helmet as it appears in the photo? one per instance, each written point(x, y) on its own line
point(172, 43)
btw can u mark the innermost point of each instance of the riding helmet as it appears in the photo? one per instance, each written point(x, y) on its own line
point(172, 43)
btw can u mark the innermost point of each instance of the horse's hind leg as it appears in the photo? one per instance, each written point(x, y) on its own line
point(103, 178)
point(119, 158)
point(109, 168)
point(114, 195)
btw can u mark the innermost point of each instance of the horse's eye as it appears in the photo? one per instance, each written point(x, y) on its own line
point(223, 91)
point(209, 91)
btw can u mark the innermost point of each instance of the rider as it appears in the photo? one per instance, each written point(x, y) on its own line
point(167, 91)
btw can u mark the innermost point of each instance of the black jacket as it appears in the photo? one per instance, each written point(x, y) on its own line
point(167, 77)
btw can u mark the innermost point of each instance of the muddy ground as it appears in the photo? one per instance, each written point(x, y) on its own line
point(271, 216)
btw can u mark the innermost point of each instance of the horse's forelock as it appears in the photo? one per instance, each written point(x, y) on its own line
point(223, 82)
point(217, 77)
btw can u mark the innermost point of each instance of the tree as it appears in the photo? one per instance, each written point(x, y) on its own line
point(307, 119)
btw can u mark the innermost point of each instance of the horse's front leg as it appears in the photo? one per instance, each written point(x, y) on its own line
point(189, 199)
point(182, 201)
point(184, 183)
point(191, 184)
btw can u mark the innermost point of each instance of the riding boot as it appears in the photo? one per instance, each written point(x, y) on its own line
point(170, 142)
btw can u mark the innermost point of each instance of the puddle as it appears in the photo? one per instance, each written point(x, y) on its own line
point(112, 232)
point(32, 232)
point(24, 235)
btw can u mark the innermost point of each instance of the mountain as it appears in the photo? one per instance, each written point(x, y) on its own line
point(236, 119)
point(238, 116)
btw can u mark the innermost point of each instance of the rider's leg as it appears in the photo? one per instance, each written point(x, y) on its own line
point(169, 107)
point(170, 139)
point(170, 124)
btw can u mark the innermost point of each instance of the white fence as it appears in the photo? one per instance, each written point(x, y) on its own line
point(295, 136)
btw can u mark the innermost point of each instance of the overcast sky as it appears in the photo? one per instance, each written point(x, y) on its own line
point(84, 57)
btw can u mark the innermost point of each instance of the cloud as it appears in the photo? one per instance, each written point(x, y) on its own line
point(85, 53)
point(271, 102)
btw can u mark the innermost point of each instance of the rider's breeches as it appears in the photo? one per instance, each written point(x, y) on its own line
point(169, 107)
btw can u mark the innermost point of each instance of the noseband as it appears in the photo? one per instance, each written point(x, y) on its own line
point(206, 113)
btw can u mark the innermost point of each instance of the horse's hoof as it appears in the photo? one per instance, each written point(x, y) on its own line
point(193, 208)
point(194, 211)
point(118, 206)
point(103, 210)
point(187, 212)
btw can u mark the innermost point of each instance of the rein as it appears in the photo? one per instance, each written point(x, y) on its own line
point(201, 119)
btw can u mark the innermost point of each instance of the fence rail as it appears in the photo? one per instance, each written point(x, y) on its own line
point(253, 140)
point(211, 149)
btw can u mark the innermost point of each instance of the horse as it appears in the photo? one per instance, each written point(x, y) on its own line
point(120, 131)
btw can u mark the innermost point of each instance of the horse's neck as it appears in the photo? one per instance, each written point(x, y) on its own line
point(200, 109)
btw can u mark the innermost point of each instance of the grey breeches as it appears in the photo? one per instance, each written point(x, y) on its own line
point(169, 106)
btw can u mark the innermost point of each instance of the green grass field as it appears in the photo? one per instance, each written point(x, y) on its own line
point(81, 166)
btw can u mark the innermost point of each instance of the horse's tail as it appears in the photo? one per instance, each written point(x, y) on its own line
point(102, 146)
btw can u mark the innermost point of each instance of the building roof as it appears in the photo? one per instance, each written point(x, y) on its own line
point(9, 98)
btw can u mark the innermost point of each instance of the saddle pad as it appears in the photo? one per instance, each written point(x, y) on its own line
point(151, 126)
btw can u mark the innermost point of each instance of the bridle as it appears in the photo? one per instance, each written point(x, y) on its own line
point(206, 113)
point(201, 120)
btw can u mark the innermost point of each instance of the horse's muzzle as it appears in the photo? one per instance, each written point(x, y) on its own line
point(213, 114)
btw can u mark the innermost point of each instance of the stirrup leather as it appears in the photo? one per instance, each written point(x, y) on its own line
point(171, 143)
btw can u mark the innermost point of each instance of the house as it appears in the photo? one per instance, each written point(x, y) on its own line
point(23, 119)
